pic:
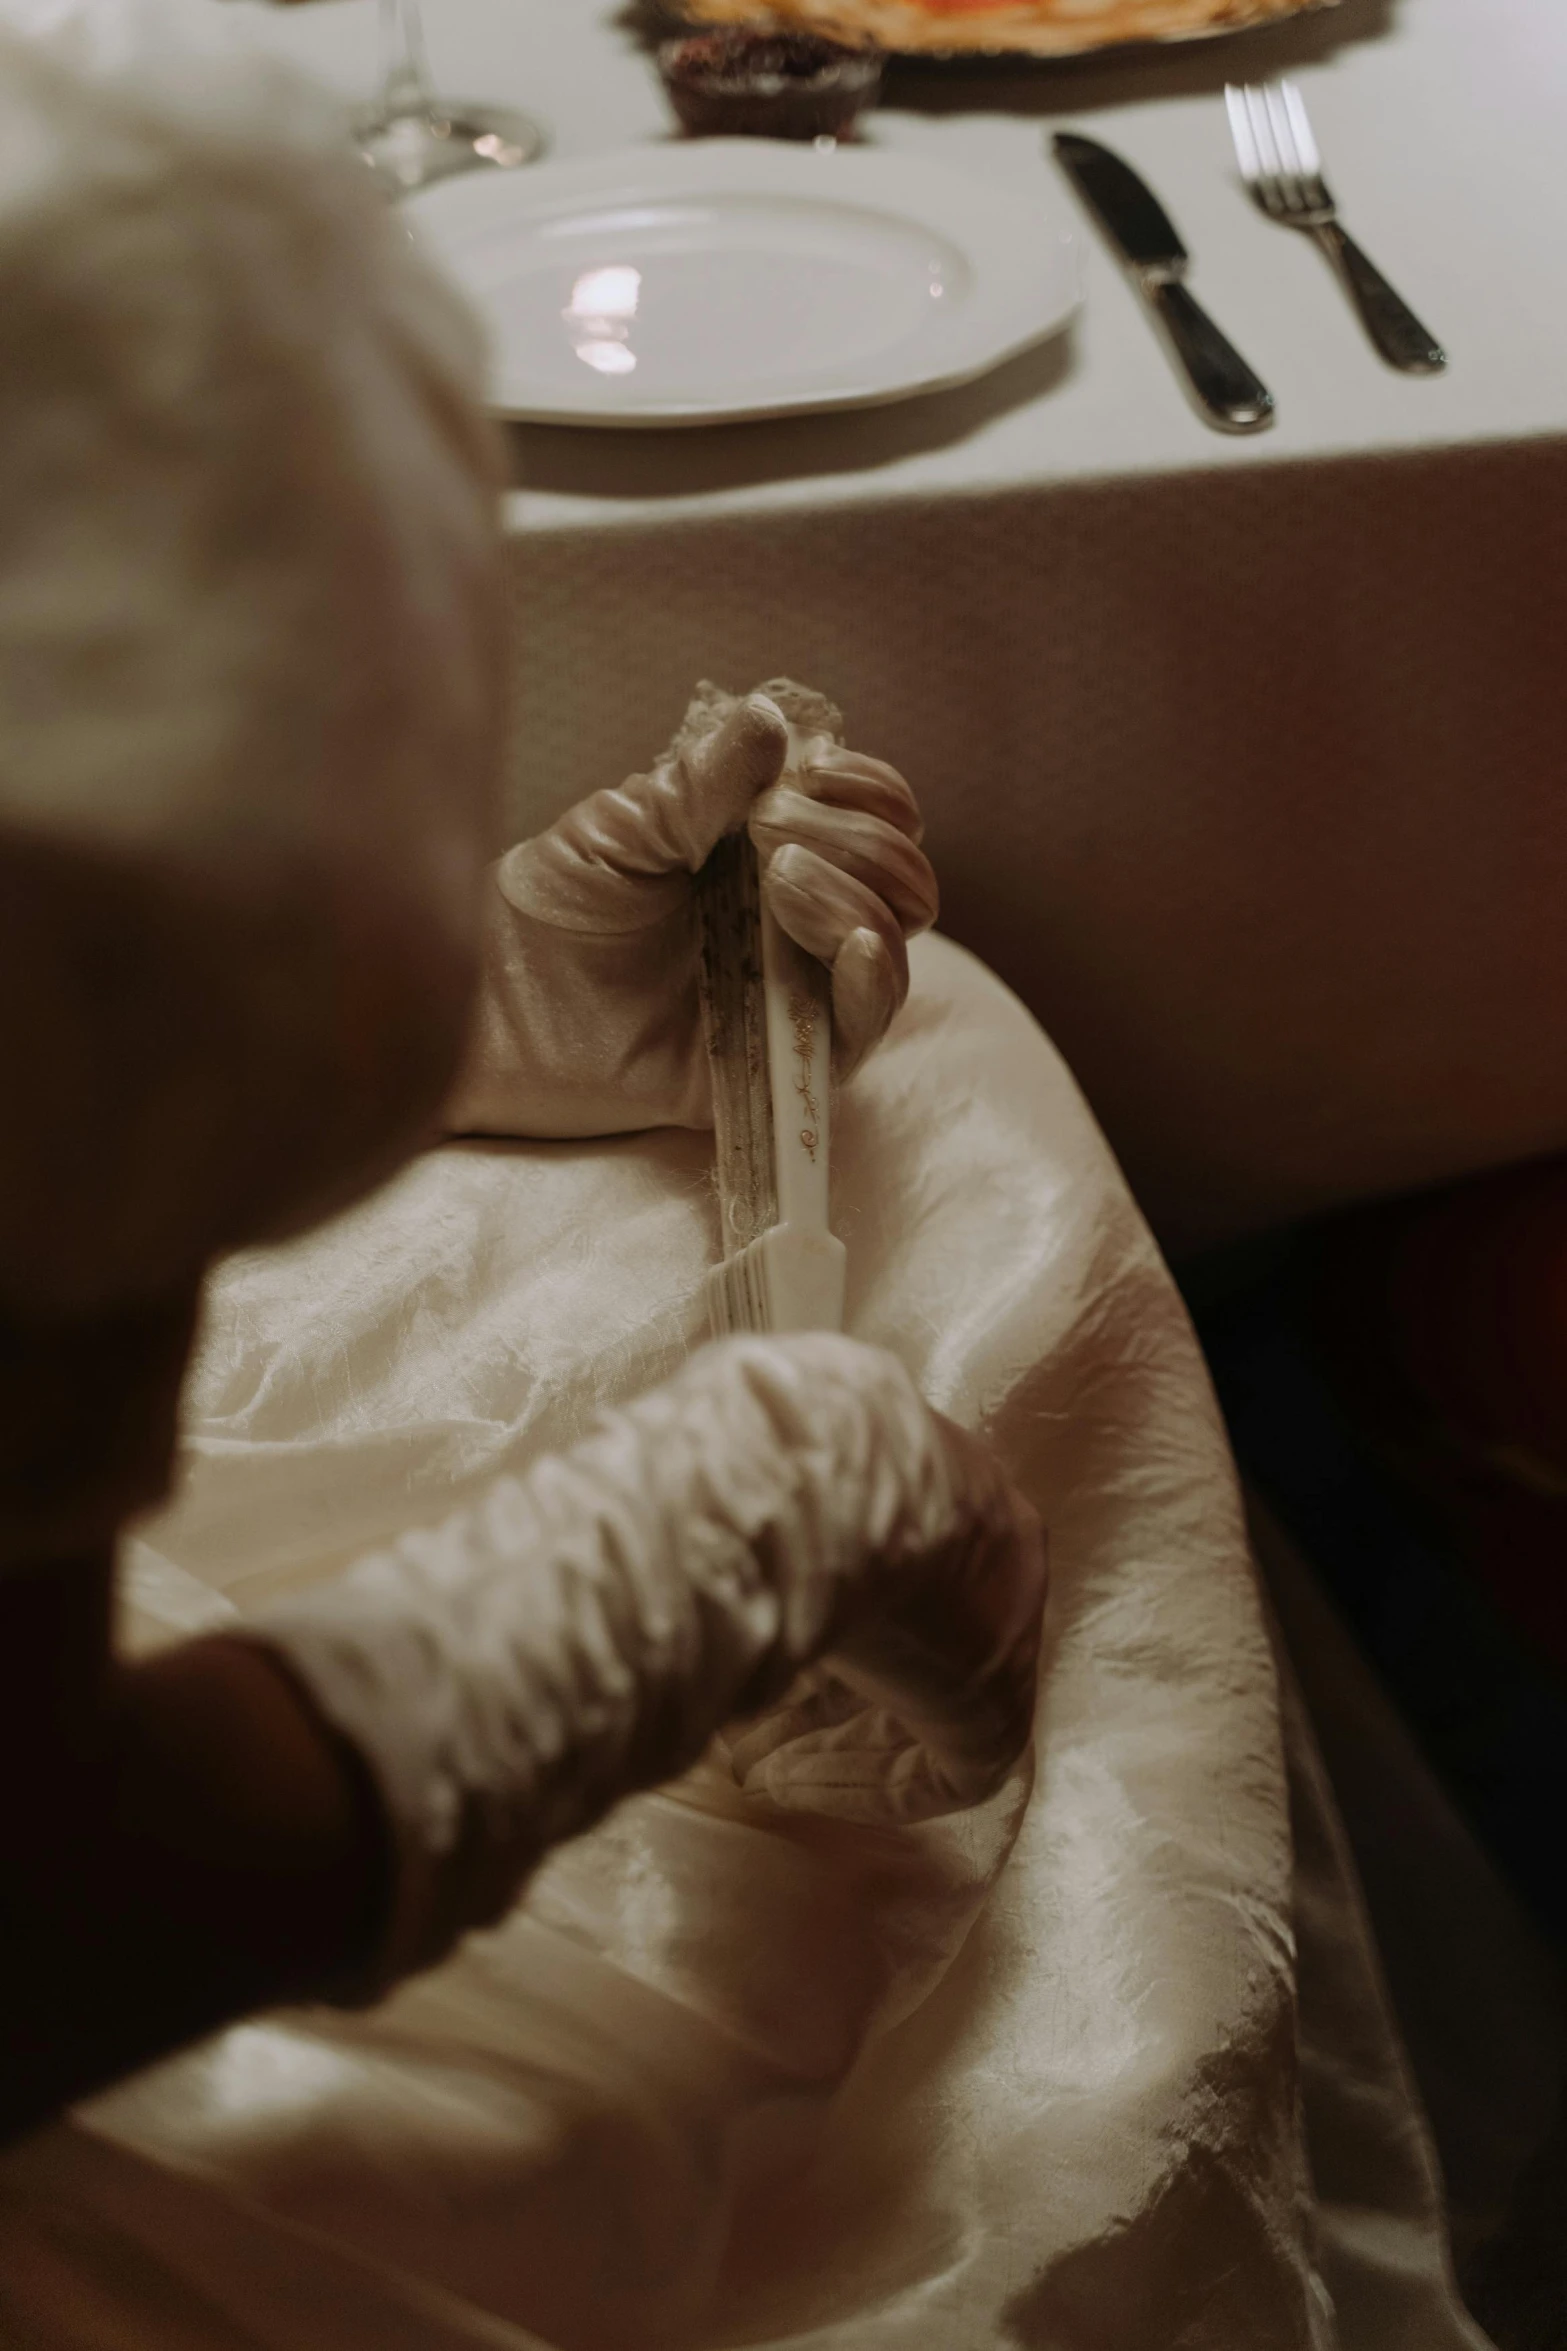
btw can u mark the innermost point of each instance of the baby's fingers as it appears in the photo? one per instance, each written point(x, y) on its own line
point(865, 848)
point(848, 779)
point(850, 929)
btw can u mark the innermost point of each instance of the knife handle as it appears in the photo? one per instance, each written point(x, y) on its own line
point(1228, 393)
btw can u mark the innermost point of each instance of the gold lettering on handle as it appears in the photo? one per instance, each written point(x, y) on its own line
point(803, 1017)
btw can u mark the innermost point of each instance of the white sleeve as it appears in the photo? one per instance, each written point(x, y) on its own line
point(584, 1631)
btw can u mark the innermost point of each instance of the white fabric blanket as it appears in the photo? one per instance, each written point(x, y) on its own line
point(1046, 2075)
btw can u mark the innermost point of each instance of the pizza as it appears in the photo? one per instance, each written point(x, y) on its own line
point(1042, 28)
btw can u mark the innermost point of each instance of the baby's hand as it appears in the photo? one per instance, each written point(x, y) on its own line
point(589, 1021)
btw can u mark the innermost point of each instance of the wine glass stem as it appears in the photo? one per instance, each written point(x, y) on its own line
point(406, 87)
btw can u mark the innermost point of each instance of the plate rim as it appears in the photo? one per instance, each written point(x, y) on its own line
point(771, 167)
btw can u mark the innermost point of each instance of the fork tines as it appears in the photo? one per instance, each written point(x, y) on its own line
point(1275, 148)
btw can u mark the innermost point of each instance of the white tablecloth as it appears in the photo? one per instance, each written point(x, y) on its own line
point(1241, 756)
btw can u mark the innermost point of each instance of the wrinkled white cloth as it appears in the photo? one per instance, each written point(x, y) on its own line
point(583, 1632)
point(588, 1020)
point(1032, 2077)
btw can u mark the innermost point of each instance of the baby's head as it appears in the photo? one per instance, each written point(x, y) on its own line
point(251, 645)
point(250, 657)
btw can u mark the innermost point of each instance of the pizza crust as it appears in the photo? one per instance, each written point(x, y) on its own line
point(1041, 28)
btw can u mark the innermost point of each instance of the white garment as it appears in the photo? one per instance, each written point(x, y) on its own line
point(1029, 2076)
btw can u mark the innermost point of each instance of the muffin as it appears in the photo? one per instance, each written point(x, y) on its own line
point(743, 84)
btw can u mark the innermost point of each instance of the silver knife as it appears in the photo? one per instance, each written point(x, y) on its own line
point(1227, 392)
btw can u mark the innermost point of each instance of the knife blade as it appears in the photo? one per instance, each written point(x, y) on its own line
point(1228, 393)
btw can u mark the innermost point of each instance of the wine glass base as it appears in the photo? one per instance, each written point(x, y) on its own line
point(443, 137)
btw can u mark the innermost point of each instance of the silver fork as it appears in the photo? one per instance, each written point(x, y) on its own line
point(1282, 169)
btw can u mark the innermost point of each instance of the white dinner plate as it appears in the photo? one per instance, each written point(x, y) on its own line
point(743, 277)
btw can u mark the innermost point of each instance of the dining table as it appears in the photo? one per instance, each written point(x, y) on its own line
point(1242, 757)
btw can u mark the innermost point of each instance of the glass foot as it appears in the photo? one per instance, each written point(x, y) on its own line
point(442, 137)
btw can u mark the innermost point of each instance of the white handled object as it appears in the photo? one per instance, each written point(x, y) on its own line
point(768, 1008)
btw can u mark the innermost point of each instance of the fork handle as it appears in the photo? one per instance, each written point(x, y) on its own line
point(1388, 319)
point(1228, 393)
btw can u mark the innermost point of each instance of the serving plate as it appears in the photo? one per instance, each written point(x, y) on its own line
point(728, 278)
point(1002, 28)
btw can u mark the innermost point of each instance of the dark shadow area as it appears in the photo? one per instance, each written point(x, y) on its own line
point(591, 462)
point(1398, 1637)
point(1476, 1687)
point(1129, 77)
point(1517, 2288)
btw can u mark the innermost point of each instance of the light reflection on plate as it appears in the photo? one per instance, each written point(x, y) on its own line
point(602, 306)
point(611, 359)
